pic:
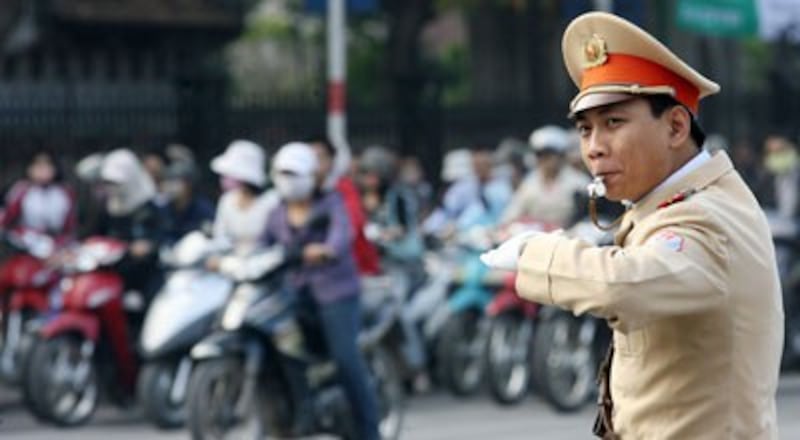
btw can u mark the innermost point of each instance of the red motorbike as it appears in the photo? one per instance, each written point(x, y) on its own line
point(26, 280)
point(86, 346)
point(511, 330)
point(508, 353)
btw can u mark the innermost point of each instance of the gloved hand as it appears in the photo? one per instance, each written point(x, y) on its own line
point(505, 256)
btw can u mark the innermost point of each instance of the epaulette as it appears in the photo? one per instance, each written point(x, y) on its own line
point(677, 198)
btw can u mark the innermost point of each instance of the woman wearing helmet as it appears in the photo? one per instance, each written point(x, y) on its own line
point(548, 194)
point(327, 282)
point(390, 205)
point(244, 207)
point(131, 215)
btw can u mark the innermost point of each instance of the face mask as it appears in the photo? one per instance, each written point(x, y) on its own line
point(293, 188)
point(781, 162)
point(229, 184)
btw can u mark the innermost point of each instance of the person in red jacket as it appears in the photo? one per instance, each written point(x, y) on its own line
point(41, 201)
point(332, 176)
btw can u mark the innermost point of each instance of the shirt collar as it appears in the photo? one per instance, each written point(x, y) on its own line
point(696, 162)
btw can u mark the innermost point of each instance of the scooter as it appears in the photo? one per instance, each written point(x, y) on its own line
point(510, 345)
point(567, 349)
point(241, 388)
point(461, 344)
point(26, 280)
point(181, 314)
point(87, 345)
point(511, 329)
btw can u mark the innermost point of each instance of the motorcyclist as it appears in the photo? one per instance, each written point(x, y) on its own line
point(365, 253)
point(390, 205)
point(475, 198)
point(186, 210)
point(328, 281)
point(778, 189)
point(548, 194)
point(511, 161)
point(41, 201)
point(393, 211)
point(131, 215)
point(245, 205)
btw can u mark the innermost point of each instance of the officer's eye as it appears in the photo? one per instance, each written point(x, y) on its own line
point(583, 130)
point(614, 122)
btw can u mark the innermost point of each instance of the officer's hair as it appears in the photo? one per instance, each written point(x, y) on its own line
point(661, 103)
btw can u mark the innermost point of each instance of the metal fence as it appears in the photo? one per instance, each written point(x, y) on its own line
point(74, 119)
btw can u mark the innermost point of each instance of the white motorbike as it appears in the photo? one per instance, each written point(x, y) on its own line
point(181, 314)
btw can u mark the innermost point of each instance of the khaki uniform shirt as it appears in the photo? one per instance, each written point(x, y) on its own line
point(691, 291)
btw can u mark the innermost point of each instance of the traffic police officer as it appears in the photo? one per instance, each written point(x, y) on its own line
point(690, 287)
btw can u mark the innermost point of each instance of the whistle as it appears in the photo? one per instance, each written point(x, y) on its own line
point(597, 188)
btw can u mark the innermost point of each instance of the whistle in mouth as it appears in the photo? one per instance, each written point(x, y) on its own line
point(597, 188)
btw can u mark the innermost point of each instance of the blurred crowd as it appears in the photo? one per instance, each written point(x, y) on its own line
point(152, 198)
point(381, 213)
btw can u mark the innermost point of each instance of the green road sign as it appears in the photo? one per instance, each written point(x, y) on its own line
point(733, 18)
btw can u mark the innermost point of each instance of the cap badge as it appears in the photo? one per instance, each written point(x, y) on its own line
point(595, 52)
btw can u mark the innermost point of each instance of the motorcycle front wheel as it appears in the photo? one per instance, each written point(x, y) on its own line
point(508, 358)
point(564, 360)
point(15, 348)
point(155, 388)
point(389, 388)
point(460, 353)
point(213, 403)
point(62, 382)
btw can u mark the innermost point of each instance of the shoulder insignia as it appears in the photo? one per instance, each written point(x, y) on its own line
point(677, 198)
point(668, 239)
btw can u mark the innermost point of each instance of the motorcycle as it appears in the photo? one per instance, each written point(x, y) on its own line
point(241, 385)
point(461, 342)
point(404, 341)
point(86, 346)
point(508, 351)
point(400, 280)
point(511, 329)
point(26, 280)
point(181, 314)
point(567, 349)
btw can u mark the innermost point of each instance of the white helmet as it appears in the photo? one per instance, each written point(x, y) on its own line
point(294, 171)
point(132, 185)
point(551, 138)
point(457, 165)
point(242, 160)
point(296, 157)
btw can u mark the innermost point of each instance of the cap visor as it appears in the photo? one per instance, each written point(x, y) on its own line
point(592, 100)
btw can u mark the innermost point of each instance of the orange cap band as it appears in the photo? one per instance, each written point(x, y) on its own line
point(629, 69)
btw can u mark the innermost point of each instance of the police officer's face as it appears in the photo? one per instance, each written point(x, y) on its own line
point(626, 145)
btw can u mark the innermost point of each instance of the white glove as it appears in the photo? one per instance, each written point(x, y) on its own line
point(505, 256)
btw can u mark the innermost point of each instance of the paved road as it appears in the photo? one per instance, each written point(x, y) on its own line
point(434, 417)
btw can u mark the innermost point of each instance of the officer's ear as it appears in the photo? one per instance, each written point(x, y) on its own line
point(680, 124)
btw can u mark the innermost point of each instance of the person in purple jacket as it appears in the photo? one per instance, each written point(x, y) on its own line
point(327, 281)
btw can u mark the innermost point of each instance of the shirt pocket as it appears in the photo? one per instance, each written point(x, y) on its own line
point(632, 344)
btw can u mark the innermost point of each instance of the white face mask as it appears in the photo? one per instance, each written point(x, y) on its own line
point(293, 188)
